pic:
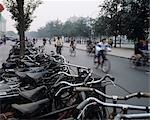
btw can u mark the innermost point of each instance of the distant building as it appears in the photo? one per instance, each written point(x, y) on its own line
point(2, 26)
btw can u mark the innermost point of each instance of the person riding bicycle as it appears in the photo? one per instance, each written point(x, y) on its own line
point(90, 46)
point(73, 45)
point(100, 50)
point(141, 46)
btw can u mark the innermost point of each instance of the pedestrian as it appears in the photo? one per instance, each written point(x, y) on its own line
point(34, 41)
point(49, 41)
point(44, 41)
point(58, 45)
point(4, 39)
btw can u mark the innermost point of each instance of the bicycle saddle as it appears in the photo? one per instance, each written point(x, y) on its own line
point(32, 94)
point(29, 64)
point(36, 69)
point(36, 75)
point(30, 107)
point(21, 74)
point(4, 86)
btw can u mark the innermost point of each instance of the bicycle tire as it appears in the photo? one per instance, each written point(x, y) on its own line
point(94, 112)
point(72, 52)
point(106, 66)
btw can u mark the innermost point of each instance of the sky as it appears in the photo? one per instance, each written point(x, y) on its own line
point(57, 9)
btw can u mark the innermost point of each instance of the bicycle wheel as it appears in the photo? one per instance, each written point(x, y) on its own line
point(106, 66)
point(94, 112)
point(74, 53)
point(132, 62)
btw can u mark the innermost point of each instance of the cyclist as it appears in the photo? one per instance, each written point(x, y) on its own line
point(141, 46)
point(73, 45)
point(90, 46)
point(100, 51)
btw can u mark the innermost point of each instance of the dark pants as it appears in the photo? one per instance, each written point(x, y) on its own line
point(101, 54)
point(58, 49)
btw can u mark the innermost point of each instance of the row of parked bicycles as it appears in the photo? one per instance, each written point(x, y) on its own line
point(41, 86)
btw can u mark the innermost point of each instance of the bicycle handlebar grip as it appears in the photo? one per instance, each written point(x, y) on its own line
point(110, 77)
point(145, 94)
point(82, 104)
point(83, 89)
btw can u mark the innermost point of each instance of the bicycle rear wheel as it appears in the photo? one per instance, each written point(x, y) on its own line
point(106, 66)
point(72, 52)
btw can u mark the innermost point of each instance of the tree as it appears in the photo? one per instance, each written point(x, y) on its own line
point(110, 10)
point(79, 27)
point(138, 18)
point(22, 13)
point(101, 27)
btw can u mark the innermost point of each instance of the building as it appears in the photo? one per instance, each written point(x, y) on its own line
point(2, 26)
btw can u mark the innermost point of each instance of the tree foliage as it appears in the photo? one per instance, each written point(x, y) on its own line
point(124, 17)
point(29, 7)
point(79, 27)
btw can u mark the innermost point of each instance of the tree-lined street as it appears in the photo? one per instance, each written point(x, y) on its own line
point(36, 84)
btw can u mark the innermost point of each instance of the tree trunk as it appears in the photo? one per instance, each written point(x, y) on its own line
point(120, 41)
point(22, 43)
point(115, 41)
point(21, 26)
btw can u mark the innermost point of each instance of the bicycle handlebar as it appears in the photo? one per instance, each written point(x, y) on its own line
point(69, 75)
point(139, 94)
point(123, 106)
point(78, 84)
point(88, 83)
point(77, 66)
point(133, 116)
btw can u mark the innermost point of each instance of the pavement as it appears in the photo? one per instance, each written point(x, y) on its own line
point(119, 52)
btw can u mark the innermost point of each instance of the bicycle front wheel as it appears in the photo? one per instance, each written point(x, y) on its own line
point(106, 66)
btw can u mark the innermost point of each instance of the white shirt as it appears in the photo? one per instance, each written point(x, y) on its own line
point(102, 46)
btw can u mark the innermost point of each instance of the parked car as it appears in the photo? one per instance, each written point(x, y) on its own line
point(13, 39)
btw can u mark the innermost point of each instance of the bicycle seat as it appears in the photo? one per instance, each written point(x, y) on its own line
point(32, 94)
point(36, 75)
point(36, 69)
point(14, 56)
point(21, 74)
point(4, 86)
point(30, 107)
point(29, 64)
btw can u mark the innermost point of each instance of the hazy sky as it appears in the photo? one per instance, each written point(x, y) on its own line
point(58, 9)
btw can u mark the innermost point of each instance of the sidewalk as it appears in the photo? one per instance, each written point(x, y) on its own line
point(119, 52)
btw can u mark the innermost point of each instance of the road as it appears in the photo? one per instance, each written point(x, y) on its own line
point(134, 80)
point(4, 51)
point(131, 79)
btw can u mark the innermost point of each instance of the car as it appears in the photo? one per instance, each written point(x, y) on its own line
point(13, 39)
